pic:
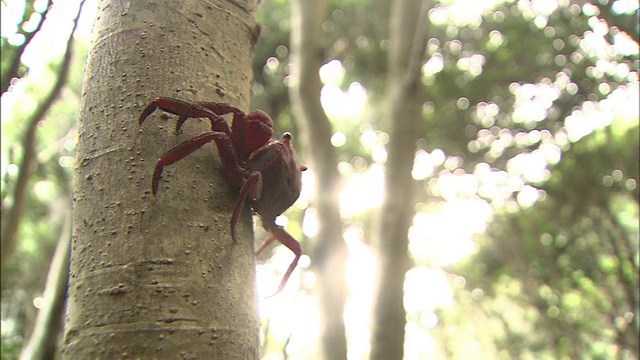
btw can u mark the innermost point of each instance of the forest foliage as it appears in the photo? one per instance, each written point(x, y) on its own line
point(525, 233)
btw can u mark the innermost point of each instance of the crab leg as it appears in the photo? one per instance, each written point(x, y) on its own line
point(201, 110)
point(185, 110)
point(180, 151)
point(251, 187)
point(270, 239)
point(178, 107)
point(287, 240)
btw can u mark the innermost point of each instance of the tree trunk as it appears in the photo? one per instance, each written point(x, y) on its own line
point(160, 277)
point(408, 22)
point(330, 253)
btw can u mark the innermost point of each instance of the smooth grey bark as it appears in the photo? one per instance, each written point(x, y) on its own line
point(159, 277)
point(330, 252)
point(406, 52)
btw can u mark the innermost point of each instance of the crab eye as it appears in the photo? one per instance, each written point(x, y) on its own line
point(286, 135)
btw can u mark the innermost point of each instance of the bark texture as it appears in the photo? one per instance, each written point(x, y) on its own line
point(159, 277)
point(330, 253)
point(408, 41)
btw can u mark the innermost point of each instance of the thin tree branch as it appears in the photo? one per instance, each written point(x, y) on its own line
point(14, 67)
point(43, 340)
point(11, 222)
point(418, 47)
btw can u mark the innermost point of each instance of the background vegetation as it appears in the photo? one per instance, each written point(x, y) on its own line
point(524, 240)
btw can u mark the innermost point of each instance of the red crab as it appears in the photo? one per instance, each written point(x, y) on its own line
point(266, 169)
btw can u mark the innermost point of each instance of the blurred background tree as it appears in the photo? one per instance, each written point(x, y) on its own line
point(524, 235)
